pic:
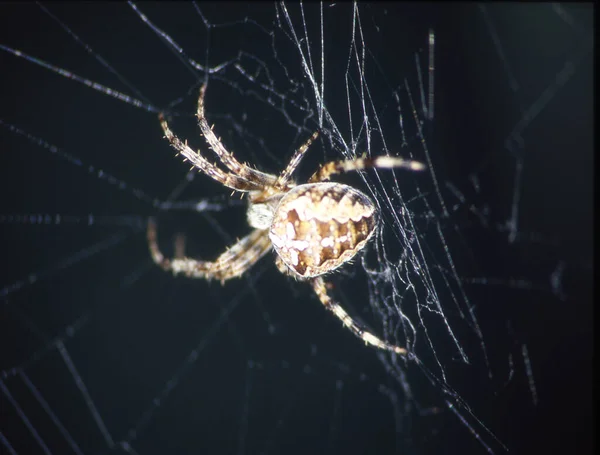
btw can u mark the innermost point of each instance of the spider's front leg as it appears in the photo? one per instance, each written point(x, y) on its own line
point(231, 264)
point(380, 162)
point(286, 174)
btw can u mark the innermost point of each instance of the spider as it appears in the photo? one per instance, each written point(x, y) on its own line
point(314, 227)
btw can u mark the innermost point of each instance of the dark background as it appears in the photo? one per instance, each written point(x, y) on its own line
point(273, 372)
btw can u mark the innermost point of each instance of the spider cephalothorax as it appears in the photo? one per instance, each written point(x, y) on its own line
point(314, 227)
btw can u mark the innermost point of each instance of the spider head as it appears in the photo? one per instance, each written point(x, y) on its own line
point(260, 214)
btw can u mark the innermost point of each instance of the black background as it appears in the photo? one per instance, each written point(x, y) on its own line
point(270, 385)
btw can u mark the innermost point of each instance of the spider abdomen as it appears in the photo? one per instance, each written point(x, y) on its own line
point(317, 227)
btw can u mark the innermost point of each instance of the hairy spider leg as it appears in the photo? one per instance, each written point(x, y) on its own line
point(243, 170)
point(232, 263)
point(227, 179)
point(381, 162)
point(284, 177)
point(320, 289)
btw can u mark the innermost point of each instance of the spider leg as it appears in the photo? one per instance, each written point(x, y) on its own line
point(230, 180)
point(284, 177)
point(232, 263)
point(321, 290)
point(237, 168)
point(385, 162)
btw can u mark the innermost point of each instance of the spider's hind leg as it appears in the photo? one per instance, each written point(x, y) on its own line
point(320, 289)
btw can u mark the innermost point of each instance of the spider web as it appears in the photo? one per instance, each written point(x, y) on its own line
point(482, 265)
